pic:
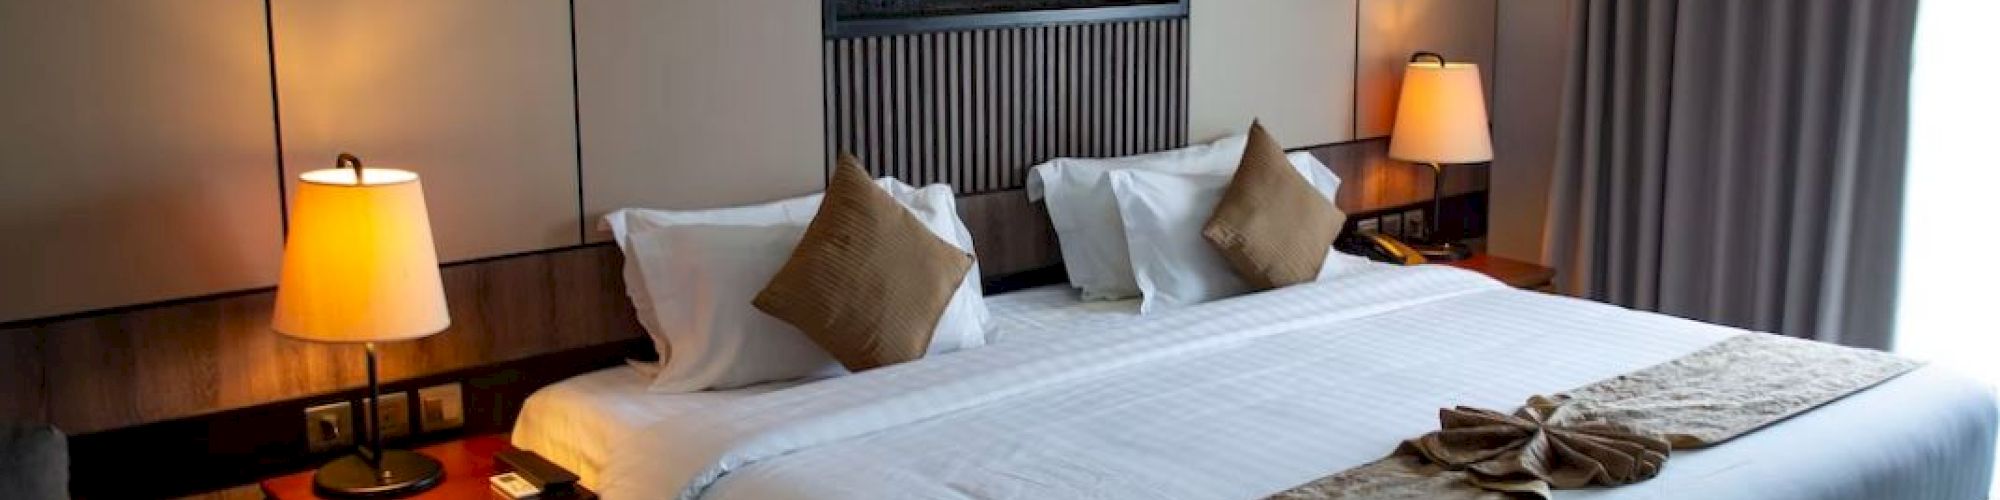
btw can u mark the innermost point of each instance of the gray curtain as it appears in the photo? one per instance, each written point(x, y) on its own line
point(1737, 162)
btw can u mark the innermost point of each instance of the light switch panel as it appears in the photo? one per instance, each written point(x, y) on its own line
point(395, 415)
point(442, 407)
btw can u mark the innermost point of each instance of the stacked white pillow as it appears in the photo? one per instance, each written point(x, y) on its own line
point(1084, 209)
point(1175, 266)
point(691, 275)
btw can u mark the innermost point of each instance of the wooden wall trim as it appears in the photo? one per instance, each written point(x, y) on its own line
point(150, 364)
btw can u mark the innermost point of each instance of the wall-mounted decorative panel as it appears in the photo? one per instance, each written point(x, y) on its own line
point(136, 153)
point(1287, 62)
point(476, 96)
point(977, 108)
point(698, 103)
point(1391, 30)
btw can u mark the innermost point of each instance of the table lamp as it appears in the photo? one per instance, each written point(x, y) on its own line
point(359, 266)
point(1440, 120)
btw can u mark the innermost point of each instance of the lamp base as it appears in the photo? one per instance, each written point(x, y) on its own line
point(1443, 252)
point(401, 472)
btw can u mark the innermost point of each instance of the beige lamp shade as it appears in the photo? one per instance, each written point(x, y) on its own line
point(1441, 116)
point(359, 264)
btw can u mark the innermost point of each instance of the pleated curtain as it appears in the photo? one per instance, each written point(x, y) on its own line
point(1737, 162)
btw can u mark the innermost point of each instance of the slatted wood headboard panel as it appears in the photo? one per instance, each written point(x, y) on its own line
point(975, 109)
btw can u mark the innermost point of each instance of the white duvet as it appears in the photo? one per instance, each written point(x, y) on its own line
point(1248, 396)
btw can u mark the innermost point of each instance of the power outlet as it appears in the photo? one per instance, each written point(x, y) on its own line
point(329, 427)
point(1413, 225)
point(441, 407)
point(1369, 225)
point(395, 415)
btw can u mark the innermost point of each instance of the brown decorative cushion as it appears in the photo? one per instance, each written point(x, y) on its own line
point(1271, 225)
point(868, 281)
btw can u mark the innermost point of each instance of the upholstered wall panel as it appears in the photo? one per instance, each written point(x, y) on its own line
point(977, 108)
point(1287, 62)
point(698, 103)
point(135, 153)
point(1390, 30)
point(1526, 112)
point(474, 95)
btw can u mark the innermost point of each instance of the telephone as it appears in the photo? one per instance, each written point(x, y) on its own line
point(1380, 247)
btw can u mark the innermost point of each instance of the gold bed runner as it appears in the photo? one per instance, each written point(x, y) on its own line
point(1615, 431)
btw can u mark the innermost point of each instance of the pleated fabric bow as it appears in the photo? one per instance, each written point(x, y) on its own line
point(1539, 447)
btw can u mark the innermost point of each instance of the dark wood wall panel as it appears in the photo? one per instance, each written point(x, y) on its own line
point(975, 109)
point(177, 360)
point(1370, 180)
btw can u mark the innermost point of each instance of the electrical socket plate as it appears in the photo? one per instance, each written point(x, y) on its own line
point(329, 427)
point(1370, 225)
point(395, 415)
point(443, 407)
point(1413, 224)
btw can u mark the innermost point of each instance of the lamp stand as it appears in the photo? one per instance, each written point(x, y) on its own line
point(372, 471)
point(1435, 249)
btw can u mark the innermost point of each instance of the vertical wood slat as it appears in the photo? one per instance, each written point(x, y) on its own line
point(975, 109)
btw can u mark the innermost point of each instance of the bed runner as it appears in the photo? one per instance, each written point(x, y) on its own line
point(1615, 431)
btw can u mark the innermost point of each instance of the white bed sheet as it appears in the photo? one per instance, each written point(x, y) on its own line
point(576, 422)
point(1248, 396)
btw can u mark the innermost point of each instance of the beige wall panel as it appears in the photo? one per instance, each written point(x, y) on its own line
point(1287, 62)
point(698, 103)
point(1391, 30)
point(473, 95)
point(1526, 116)
point(136, 153)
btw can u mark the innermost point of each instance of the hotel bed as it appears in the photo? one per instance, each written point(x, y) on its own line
point(1236, 398)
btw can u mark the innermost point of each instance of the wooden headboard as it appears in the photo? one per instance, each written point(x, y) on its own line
point(977, 108)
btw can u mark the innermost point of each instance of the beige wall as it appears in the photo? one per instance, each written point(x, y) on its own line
point(472, 95)
point(1391, 30)
point(1525, 120)
point(141, 155)
point(698, 104)
point(136, 153)
point(1289, 63)
point(142, 152)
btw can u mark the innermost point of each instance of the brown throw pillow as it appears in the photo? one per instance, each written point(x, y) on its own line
point(868, 281)
point(1271, 225)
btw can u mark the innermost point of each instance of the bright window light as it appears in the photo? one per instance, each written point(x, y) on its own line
point(1946, 303)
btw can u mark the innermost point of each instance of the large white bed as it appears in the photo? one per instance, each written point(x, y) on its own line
point(1237, 398)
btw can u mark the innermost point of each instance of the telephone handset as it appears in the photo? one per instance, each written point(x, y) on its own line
point(1381, 247)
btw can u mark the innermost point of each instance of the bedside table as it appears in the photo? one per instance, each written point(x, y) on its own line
point(467, 464)
point(1517, 274)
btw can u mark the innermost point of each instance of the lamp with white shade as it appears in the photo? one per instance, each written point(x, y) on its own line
point(1440, 120)
point(360, 267)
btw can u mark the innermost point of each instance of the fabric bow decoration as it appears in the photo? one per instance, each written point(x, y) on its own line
point(1539, 447)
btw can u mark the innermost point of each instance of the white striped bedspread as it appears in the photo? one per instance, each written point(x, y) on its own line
point(1245, 397)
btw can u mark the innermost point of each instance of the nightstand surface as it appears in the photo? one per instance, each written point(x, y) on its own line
point(467, 462)
point(1514, 273)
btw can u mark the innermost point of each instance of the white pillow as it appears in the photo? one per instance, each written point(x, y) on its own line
point(698, 271)
point(795, 210)
point(1084, 211)
point(702, 278)
point(1173, 264)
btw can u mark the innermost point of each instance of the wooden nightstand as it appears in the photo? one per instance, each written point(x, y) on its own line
point(467, 464)
point(1518, 274)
